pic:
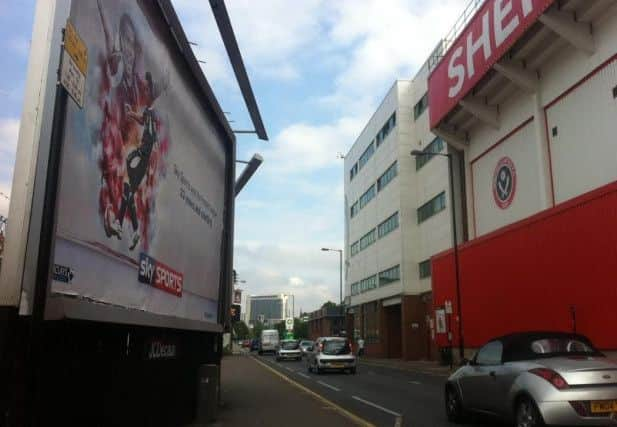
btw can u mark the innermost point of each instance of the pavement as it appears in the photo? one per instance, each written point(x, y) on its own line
point(255, 394)
point(398, 395)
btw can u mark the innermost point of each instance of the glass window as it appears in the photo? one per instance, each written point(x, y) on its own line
point(432, 207)
point(385, 129)
point(387, 176)
point(370, 320)
point(355, 248)
point(420, 106)
point(425, 269)
point(436, 146)
point(353, 171)
point(353, 211)
point(390, 275)
point(388, 225)
point(367, 196)
point(490, 354)
point(367, 240)
point(368, 153)
point(560, 346)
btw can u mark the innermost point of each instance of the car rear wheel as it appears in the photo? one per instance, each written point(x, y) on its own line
point(527, 414)
point(454, 406)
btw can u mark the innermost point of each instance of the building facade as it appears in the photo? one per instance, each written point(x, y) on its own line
point(397, 215)
point(326, 322)
point(268, 309)
point(531, 101)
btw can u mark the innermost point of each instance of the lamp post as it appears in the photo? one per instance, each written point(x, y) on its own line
point(461, 345)
point(340, 254)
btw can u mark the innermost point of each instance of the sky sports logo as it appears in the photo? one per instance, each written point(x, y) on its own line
point(157, 274)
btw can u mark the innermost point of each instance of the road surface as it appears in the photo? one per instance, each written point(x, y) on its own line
point(379, 395)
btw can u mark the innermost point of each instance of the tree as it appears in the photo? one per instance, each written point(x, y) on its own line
point(300, 329)
point(241, 331)
point(328, 304)
point(280, 326)
point(257, 328)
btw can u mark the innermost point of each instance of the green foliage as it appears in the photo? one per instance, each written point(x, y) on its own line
point(300, 329)
point(280, 326)
point(257, 328)
point(328, 304)
point(241, 331)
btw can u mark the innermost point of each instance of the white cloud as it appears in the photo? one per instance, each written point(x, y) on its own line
point(9, 130)
point(303, 147)
point(306, 272)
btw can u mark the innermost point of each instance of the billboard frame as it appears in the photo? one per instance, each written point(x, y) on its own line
point(30, 245)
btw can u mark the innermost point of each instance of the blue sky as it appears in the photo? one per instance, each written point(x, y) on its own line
point(319, 69)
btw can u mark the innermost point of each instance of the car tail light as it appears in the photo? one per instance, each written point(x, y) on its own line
point(552, 377)
point(580, 408)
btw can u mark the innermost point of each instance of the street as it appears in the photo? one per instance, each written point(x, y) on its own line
point(376, 395)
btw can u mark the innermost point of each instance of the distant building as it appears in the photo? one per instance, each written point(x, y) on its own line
point(268, 309)
point(326, 322)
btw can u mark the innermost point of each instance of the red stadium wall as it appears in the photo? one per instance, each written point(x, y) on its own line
point(528, 275)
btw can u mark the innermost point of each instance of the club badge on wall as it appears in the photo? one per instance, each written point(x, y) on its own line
point(504, 182)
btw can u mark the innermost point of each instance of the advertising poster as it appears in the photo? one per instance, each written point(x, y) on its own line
point(142, 178)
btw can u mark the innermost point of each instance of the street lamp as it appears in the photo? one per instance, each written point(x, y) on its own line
point(415, 153)
point(340, 254)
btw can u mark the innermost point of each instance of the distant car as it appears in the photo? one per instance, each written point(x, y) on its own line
point(246, 343)
point(255, 344)
point(269, 341)
point(288, 349)
point(535, 379)
point(305, 345)
point(331, 353)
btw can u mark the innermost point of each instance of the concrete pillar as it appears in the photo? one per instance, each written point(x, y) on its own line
point(542, 150)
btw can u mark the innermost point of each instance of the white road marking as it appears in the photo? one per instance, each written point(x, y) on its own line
point(415, 382)
point(289, 369)
point(374, 405)
point(303, 375)
point(328, 385)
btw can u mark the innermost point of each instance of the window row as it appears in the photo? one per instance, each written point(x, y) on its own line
point(432, 207)
point(425, 269)
point(369, 238)
point(370, 150)
point(436, 146)
point(390, 275)
point(386, 129)
point(387, 176)
point(420, 106)
point(354, 210)
point(369, 194)
point(387, 226)
point(384, 278)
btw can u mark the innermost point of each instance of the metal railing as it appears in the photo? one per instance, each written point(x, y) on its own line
point(445, 43)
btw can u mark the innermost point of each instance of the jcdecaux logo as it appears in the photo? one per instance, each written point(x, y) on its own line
point(157, 274)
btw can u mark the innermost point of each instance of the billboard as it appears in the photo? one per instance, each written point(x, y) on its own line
point(490, 33)
point(143, 172)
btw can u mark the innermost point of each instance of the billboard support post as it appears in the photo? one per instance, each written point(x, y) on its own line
point(44, 261)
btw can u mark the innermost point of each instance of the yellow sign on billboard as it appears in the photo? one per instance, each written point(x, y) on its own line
point(75, 47)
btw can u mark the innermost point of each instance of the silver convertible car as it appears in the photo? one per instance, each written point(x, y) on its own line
point(535, 379)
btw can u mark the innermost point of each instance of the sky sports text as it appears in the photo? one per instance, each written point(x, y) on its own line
point(157, 274)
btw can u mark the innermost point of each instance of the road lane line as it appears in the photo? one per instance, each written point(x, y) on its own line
point(415, 382)
point(328, 385)
point(353, 417)
point(376, 406)
point(303, 375)
point(289, 369)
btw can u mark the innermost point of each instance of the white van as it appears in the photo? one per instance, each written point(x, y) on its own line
point(269, 341)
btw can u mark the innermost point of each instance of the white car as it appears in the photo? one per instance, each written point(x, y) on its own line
point(289, 349)
point(331, 353)
point(269, 341)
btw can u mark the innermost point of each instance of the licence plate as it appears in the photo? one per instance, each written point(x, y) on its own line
point(337, 365)
point(603, 406)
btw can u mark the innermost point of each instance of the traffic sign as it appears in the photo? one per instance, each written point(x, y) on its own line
point(289, 324)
